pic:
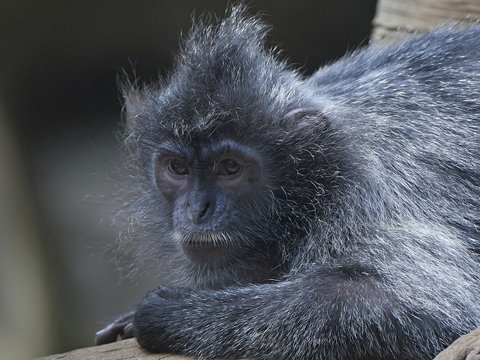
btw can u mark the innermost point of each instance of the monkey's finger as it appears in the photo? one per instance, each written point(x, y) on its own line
point(108, 334)
point(128, 331)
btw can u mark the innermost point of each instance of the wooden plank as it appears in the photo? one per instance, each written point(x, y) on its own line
point(396, 19)
point(125, 350)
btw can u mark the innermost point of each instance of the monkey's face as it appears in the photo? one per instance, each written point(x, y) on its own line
point(208, 190)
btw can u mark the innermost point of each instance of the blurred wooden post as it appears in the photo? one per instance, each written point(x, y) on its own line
point(25, 316)
point(397, 19)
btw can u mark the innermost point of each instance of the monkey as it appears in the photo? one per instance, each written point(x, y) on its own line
point(329, 216)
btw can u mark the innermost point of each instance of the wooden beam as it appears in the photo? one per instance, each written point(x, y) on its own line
point(397, 19)
point(125, 350)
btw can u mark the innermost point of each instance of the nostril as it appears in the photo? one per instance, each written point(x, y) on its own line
point(204, 211)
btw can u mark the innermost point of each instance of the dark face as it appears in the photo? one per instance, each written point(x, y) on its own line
point(211, 192)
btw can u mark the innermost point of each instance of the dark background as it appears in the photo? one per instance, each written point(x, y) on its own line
point(59, 109)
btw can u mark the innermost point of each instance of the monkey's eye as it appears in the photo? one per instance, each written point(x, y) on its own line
point(228, 167)
point(178, 167)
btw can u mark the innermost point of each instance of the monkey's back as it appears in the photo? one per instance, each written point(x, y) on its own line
point(410, 115)
point(412, 112)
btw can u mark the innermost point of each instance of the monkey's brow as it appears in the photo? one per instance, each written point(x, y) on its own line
point(205, 150)
point(175, 148)
point(226, 146)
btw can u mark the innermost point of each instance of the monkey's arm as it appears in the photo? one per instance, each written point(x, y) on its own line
point(331, 311)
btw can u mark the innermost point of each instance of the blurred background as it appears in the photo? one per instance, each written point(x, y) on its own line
point(59, 110)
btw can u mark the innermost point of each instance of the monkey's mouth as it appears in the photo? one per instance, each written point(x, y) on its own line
point(207, 247)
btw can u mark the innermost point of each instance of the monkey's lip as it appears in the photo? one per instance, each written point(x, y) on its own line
point(205, 250)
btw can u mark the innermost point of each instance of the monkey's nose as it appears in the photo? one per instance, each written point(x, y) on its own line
point(199, 211)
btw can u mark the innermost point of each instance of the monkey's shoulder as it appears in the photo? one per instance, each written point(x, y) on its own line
point(443, 54)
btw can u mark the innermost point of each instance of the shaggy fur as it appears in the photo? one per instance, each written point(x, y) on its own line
point(367, 232)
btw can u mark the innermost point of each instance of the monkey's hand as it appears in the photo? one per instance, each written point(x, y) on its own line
point(151, 316)
point(121, 327)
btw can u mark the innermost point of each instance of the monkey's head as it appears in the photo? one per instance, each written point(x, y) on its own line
point(224, 157)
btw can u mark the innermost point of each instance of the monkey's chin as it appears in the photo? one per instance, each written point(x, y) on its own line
point(207, 249)
point(206, 253)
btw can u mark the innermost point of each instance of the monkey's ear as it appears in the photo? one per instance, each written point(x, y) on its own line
point(135, 104)
point(303, 112)
point(303, 116)
point(306, 120)
point(131, 106)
